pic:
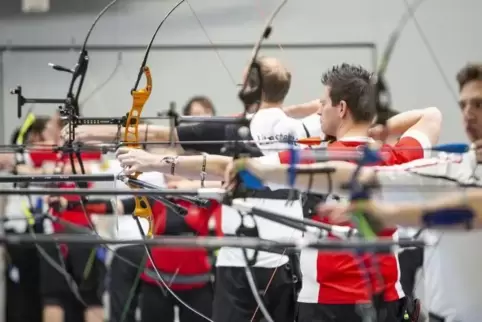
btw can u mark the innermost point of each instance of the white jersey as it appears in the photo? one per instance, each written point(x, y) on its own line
point(451, 272)
point(269, 126)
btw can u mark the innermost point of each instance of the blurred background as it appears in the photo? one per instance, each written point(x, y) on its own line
point(308, 35)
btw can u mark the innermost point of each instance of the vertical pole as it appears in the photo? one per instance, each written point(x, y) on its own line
point(3, 203)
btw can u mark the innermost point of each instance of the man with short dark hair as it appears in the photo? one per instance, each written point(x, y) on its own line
point(333, 287)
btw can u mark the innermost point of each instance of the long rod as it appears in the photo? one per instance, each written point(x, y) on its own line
point(58, 178)
point(212, 242)
point(174, 47)
point(203, 193)
point(44, 100)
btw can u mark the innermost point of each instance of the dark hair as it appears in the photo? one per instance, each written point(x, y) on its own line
point(203, 100)
point(276, 80)
point(37, 127)
point(351, 83)
point(468, 73)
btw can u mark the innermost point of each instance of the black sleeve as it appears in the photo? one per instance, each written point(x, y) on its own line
point(202, 132)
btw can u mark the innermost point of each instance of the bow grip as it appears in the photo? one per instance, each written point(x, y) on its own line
point(142, 207)
point(143, 210)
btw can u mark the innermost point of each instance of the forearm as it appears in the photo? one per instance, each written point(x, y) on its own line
point(191, 166)
point(196, 184)
point(316, 182)
point(302, 110)
point(400, 123)
point(26, 170)
point(412, 214)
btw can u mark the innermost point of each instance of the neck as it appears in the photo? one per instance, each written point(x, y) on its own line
point(265, 105)
point(354, 130)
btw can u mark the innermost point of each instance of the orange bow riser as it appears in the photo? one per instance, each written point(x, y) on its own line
point(131, 137)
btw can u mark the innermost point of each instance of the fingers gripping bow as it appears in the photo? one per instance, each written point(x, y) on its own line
point(131, 137)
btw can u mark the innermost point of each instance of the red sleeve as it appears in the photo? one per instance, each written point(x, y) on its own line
point(38, 157)
point(407, 149)
point(91, 156)
point(285, 156)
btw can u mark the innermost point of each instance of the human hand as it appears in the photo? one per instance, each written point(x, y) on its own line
point(57, 203)
point(378, 214)
point(231, 171)
point(378, 132)
point(134, 160)
point(7, 161)
point(478, 150)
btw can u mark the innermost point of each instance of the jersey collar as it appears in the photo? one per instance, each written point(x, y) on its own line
point(356, 139)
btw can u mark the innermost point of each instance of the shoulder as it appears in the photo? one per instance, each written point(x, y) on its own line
point(265, 120)
point(414, 139)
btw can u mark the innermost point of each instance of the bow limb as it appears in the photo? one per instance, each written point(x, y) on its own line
point(131, 132)
point(72, 110)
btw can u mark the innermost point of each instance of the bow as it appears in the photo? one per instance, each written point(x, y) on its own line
point(131, 139)
point(70, 110)
point(131, 133)
point(251, 94)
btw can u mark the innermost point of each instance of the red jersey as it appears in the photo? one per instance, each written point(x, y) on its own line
point(40, 157)
point(192, 266)
point(336, 277)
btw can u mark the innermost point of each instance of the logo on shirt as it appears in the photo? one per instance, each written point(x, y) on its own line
point(282, 138)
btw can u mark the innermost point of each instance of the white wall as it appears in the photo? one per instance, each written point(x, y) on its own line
point(450, 26)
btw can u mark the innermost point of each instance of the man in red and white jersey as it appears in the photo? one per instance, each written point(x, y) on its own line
point(453, 282)
point(333, 284)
